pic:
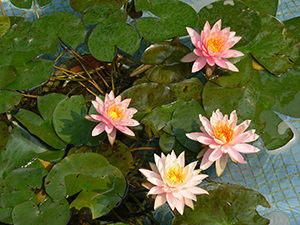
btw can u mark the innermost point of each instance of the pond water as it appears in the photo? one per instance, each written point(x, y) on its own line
point(273, 174)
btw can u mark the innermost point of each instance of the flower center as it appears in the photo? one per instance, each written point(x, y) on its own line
point(175, 174)
point(224, 132)
point(215, 43)
point(115, 112)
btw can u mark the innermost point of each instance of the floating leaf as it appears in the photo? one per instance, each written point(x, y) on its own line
point(267, 6)
point(166, 142)
point(8, 75)
point(4, 24)
point(4, 134)
point(47, 212)
point(169, 22)
point(225, 204)
point(145, 97)
point(247, 26)
point(64, 25)
point(70, 124)
point(8, 99)
point(185, 119)
point(39, 127)
point(82, 5)
point(117, 154)
point(19, 186)
point(275, 47)
point(32, 74)
point(100, 184)
point(104, 38)
point(5, 215)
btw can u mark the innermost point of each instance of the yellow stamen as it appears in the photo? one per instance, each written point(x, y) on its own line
point(175, 174)
point(215, 44)
point(115, 112)
point(224, 132)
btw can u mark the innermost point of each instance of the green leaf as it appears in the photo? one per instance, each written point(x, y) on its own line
point(225, 204)
point(47, 212)
point(43, 2)
point(104, 38)
point(166, 142)
point(145, 97)
point(5, 215)
point(8, 75)
point(64, 25)
point(82, 5)
point(247, 26)
point(8, 99)
point(32, 74)
point(158, 118)
point(19, 186)
point(171, 21)
point(26, 4)
point(16, 153)
point(104, 14)
point(4, 134)
point(117, 154)
point(4, 24)
point(100, 184)
point(275, 47)
point(185, 119)
point(267, 6)
point(39, 127)
point(70, 124)
point(294, 26)
point(48, 103)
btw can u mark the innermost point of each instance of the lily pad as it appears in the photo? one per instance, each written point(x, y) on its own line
point(39, 127)
point(166, 142)
point(4, 24)
point(247, 26)
point(47, 212)
point(82, 5)
point(185, 119)
point(275, 47)
point(225, 204)
point(5, 215)
point(32, 74)
point(105, 38)
point(100, 184)
point(169, 22)
point(8, 99)
point(145, 97)
point(70, 124)
point(25, 4)
point(8, 75)
point(4, 134)
point(64, 25)
point(267, 6)
point(19, 186)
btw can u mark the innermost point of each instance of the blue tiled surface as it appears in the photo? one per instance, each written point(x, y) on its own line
point(275, 176)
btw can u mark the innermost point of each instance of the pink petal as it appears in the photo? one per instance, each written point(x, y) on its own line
point(187, 194)
point(189, 203)
point(198, 52)
point(193, 33)
point(217, 26)
point(109, 128)
point(131, 123)
point(199, 64)
point(88, 117)
point(221, 164)
point(149, 173)
point(97, 117)
point(159, 200)
point(231, 66)
point(216, 154)
point(205, 163)
point(98, 105)
point(245, 148)
point(247, 136)
point(178, 195)
point(210, 61)
point(125, 103)
point(232, 54)
point(236, 156)
point(181, 159)
point(125, 130)
point(155, 190)
point(171, 200)
point(206, 124)
point(197, 190)
point(180, 206)
point(98, 129)
point(241, 128)
point(112, 136)
point(193, 136)
point(153, 167)
point(205, 139)
point(221, 63)
point(155, 181)
point(206, 27)
point(190, 57)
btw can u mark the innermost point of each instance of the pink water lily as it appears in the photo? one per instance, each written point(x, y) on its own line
point(173, 182)
point(224, 137)
point(212, 47)
point(114, 115)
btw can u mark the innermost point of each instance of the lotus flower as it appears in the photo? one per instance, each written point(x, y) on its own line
point(224, 138)
point(172, 182)
point(212, 47)
point(114, 115)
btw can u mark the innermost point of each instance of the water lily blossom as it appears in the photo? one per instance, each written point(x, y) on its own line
point(212, 47)
point(173, 182)
point(114, 115)
point(224, 137)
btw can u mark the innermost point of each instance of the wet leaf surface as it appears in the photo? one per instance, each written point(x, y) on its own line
point(268, 6)
point(225, 204)
point(4, 134)
point(8, 99)
point(4, 24)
